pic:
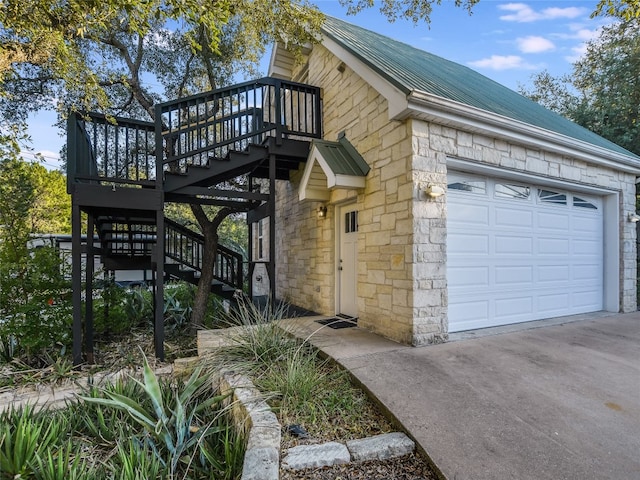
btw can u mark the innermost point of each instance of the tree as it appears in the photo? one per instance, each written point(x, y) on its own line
point(623, 9)
point(603, 91)
point(414, 10)
point(34, 312)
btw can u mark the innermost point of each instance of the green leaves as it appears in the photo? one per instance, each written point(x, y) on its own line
point(22, 435)
point(603, 92)
point(170, 417)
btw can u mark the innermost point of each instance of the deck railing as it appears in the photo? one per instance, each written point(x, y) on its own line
point(205, 127)
point(190, 131)
point(187, 247)
point(105, 150)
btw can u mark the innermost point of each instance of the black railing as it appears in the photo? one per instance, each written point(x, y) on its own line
point(127, 239)
point(110, 150)
point(205, 127)
point(186, 247)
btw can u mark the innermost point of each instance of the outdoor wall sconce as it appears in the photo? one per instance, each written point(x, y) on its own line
point(433, 191)
point(634, 217)
point(322, 211)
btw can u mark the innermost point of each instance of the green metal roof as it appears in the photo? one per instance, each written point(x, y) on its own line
point(341, 157)
point(411, 69)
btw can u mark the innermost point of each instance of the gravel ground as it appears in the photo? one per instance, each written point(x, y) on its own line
point(410, 467)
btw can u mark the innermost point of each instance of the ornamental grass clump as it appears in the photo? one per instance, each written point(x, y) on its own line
point(301, 387)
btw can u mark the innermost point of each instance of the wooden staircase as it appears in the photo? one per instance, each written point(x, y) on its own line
point(226, 148)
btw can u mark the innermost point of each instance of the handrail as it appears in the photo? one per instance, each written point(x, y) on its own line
point(197, 129)
point(105, 149)
point(187, 247)
point(194, 130)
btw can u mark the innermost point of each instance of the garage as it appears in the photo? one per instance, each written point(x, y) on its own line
point(518, 252)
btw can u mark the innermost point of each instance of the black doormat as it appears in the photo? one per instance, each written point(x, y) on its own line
point(339, 321)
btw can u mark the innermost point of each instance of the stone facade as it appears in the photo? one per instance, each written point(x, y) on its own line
point(401, 279)
point(306, 250)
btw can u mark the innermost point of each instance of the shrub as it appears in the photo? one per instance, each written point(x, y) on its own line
point(35, 304)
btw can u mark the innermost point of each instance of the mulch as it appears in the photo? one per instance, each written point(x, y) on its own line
point(410, 467)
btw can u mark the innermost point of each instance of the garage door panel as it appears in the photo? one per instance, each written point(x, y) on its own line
point(587, 247)
point(513, 218)
point(468, 243)
point(585, 301)
point(590, 273)
point(515, 307)
point(553, 274)
point(524, 258)
point(554, 304)
point(515, 275)
point(554, 221)
point(586, 224)
point(464, 276)
point(553, 246)
point(471, 314)
point(513, 245)
point(470, 214)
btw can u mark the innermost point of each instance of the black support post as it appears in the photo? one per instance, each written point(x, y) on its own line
point(272, 229)
point(88, 301)
point(76, 279)
point(158, 324)
point(250, 245)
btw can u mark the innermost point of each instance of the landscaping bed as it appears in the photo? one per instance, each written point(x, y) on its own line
point(314, 400)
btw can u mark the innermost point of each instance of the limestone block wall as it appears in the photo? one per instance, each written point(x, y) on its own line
point(307, 265)
point(304, 245)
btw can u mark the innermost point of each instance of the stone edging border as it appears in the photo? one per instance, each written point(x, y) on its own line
point(258, 423)
point(254, 418)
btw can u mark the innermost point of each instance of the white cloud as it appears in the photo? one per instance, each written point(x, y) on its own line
point(523, 13)
point(577, 53)
point(534, 44)
point(579, 32)
point(503, 62)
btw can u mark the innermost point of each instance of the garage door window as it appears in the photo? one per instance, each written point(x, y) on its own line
point(582, 203)
point(471, 186)
point(507, 190)
point(549, 196)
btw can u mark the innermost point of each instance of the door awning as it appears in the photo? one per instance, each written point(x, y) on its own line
point(332, 165)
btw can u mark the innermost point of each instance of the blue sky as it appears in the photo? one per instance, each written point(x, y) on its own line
point(506, 41)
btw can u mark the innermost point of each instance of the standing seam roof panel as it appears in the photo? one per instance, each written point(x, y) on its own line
point(409, 69)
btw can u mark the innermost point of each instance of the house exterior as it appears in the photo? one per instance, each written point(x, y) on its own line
point(440, 201)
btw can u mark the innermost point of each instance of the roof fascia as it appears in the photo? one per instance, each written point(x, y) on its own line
point(430, 107)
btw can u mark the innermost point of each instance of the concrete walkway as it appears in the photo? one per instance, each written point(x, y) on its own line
point(554, 400)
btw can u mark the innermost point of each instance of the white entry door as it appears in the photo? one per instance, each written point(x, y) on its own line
point(518, 252)
point(347, 260)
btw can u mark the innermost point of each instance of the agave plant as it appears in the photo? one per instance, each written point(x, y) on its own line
point(63, 463)
point(22, 434)
point(173, 427)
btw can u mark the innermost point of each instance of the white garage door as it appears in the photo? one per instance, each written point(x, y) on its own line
point(518, 252)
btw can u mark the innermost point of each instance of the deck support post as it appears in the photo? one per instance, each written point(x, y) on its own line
point(76, 285)
point(88, 301)
point(272, 229)
point(158, 324)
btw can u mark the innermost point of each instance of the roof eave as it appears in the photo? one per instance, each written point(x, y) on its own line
point(433, 108)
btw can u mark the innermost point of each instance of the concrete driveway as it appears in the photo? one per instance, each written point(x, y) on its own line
point(558, 401)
